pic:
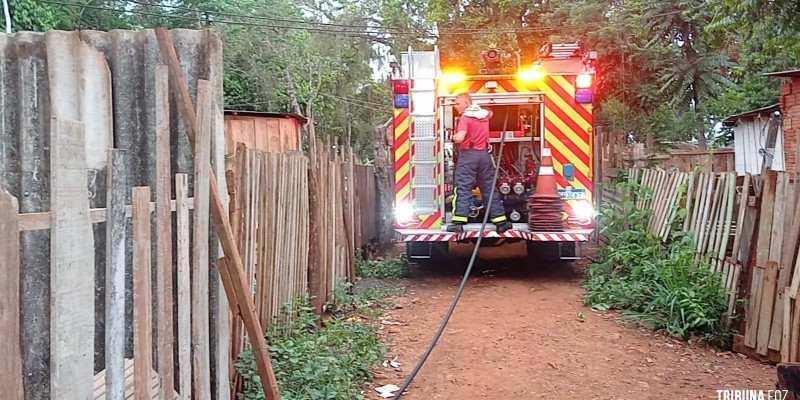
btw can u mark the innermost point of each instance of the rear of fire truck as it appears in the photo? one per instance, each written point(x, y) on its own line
point(548, 131)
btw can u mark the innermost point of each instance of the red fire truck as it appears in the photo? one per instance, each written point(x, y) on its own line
point(549, 106)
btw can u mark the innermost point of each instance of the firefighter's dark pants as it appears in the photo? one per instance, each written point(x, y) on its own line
point(475, 165)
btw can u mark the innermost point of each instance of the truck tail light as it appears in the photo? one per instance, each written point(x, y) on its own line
point(583, 81)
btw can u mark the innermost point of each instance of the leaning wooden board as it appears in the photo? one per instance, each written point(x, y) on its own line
point(233, 271)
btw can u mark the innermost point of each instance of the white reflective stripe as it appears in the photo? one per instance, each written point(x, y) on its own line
point(545, 170)
point(546, 152)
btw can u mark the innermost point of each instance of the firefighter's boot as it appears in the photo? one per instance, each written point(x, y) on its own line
point(501, 227)
point(456, 227)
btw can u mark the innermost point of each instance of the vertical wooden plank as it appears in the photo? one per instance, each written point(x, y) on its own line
point(790, 246)
point(767, 304)
point(754, 306)
point(782, 223)
point(11, 360)
point(116, 187)
point(315, 228)
point(689, 196)
point(698, 197)
point(786, 325)
point(351, 213)
point(164, 236)
point(233, 271)
point(294, 226)
point(737, 269)
point(280, 230)
point(778, 218)
point(200, 323)
point(794, 341)
point(239, 212)
point(304, 236)
point(766, 217)
point(703, 221)
point(72, 265)
point(142, 295)
point(737, 239)
point(728, 221)
point(184, 286)
point(268, 206)
point(708, 235)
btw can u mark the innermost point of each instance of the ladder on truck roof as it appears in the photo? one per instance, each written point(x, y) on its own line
point(422, 70)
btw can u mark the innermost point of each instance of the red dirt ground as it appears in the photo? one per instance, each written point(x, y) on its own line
point(516, 334)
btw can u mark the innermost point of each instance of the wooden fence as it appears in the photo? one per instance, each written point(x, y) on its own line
point(138, 305)
point(716, 160)
point(298, 221)
point(746, 227)
point(155, 295)
point(269, 216)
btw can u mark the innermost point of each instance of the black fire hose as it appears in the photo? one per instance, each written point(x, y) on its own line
point(449, 313)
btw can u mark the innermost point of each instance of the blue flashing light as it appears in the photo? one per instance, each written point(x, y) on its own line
point(401, 101)
point(569, 171)
point(584, 95)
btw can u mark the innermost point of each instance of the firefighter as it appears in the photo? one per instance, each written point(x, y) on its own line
point(474, 164)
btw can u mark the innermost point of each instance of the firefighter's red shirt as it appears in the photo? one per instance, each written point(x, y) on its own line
point(477, 136)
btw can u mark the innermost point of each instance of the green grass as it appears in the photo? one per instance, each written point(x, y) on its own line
point(659, 285)
point(381, 269)
point(323, 360)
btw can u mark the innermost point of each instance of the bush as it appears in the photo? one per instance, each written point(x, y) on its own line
point(331, 362)
point(381, 269)
point(660, 285)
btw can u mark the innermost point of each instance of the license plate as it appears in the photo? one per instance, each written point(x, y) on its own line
point(572, 194)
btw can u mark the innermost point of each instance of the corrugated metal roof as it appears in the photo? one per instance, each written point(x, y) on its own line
point(733, 119)
point(794, 73)
point(299, 118)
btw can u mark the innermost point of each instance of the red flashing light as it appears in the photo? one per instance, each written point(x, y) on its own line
point(400, 86)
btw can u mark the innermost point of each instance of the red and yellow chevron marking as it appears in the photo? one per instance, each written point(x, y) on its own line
point(402, 156)
point(567, 126)
point(567, 132)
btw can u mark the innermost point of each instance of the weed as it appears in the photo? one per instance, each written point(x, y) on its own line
point(381, 269)
point(370, 302)
point(332, 360)
point(661, 285)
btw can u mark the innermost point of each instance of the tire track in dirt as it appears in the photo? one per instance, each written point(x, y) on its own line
point(516, 334)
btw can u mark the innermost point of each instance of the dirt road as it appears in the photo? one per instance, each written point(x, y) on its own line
point(516, 334)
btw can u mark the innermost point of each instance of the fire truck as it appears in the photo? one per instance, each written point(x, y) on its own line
point(544, 107)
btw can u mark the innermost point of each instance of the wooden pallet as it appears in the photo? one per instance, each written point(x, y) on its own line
point(100, 383)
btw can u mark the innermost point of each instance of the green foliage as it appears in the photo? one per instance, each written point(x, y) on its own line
point(389, 268)
point(660, 285)
point(330, 361)
point(670, 69)
point(31, 15)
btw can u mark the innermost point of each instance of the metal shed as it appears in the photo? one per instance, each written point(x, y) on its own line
point(750, 136)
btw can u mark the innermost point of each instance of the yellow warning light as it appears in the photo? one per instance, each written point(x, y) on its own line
point(452, 77)
point(583, 81)
point(533, 73)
